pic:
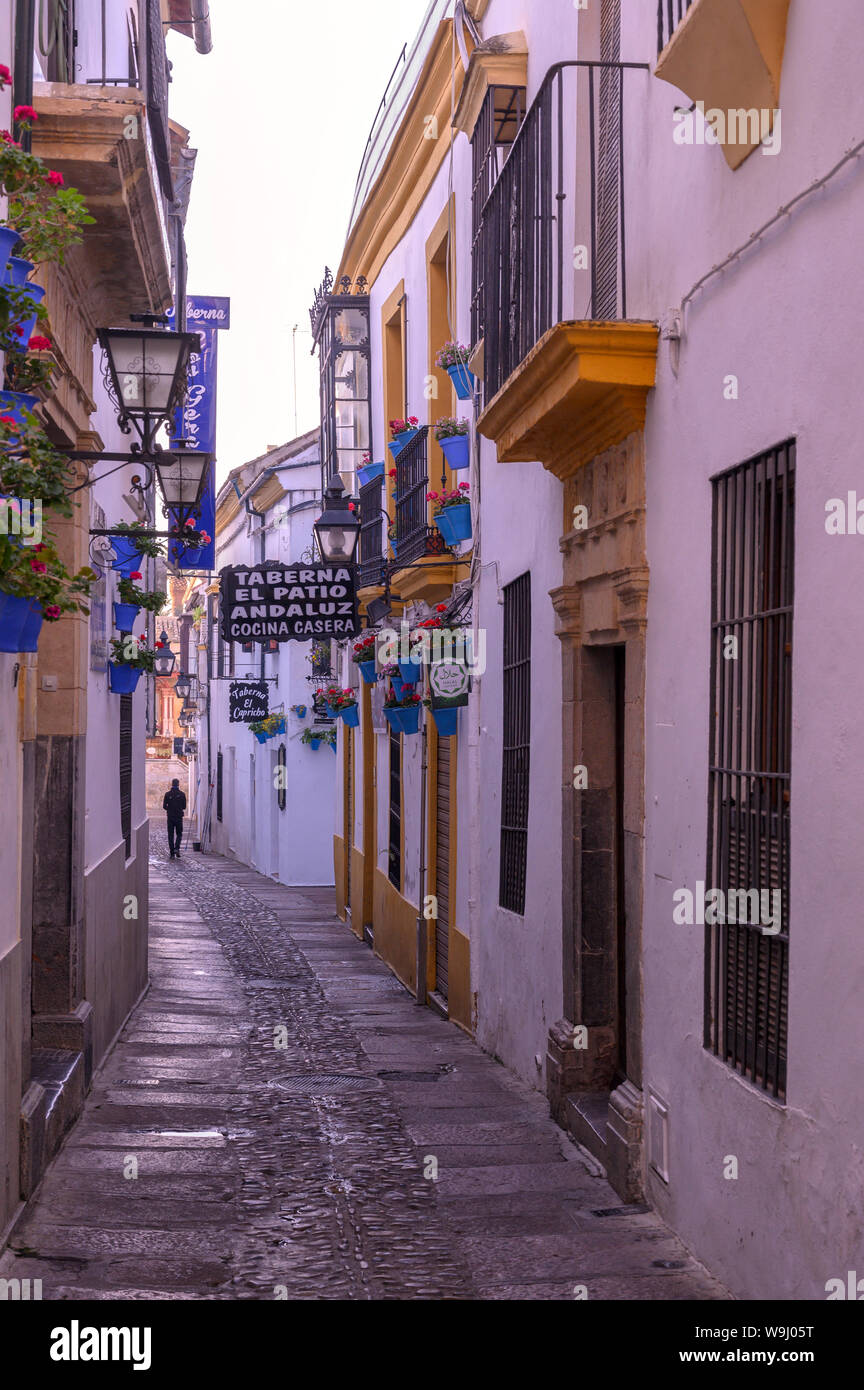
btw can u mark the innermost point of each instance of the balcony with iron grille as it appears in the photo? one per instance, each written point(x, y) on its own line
point(371, 560)
point(565, 372)
point(101, 93)
point(425, 568)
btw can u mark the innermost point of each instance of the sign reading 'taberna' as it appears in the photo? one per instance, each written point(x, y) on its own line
point(270, 602)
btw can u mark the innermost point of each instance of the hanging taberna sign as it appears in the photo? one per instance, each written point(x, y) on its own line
point(270, 602)
point(248, 701)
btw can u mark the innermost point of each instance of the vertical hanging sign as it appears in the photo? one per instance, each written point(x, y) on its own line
point(195, 421)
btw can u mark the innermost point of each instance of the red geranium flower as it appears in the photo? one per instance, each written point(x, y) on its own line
point(160, 644)
point(136, 574)
point(5, 74)
point(190, 522)
point(8, 421)
point(52, 612)
point(55, 179)
point(38, 566)
point(39, 344)
point(25, 113)
point(442, 608)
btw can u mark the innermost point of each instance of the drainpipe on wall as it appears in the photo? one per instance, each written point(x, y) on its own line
point(201, 26)
point(422, 926)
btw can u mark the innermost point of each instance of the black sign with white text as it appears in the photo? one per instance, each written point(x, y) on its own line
point(248, 701)
point(270, 602)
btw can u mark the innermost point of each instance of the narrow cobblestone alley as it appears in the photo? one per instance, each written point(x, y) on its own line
point(262, 1128)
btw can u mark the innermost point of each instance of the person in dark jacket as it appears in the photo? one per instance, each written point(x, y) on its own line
point(175, 804)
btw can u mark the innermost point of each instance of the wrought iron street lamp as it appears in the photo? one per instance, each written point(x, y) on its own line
point(163, 664)
point(147, 373)
point(338, 526)
point(182, 475)
point(183, 685)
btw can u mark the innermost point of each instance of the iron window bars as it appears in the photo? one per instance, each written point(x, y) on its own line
point(746, 968)
point(498, 124)
point(516, 756)
point(544, 206)
point(370, 554)
point(670, 13)
point(414, 536)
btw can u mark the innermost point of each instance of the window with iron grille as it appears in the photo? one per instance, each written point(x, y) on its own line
point(746, 950)
point(219, 785)
point(125, 762)
point(500, 117)
point(394, 854)
point(669, 15)
point(517, 743)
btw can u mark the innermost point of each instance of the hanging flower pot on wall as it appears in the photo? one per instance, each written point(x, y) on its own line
point(463, 380)
point(446, 722)
point(410, 672)
point(123, 679)
point(457, 450)
point(14, 612)
point(128, 558)
point(405, 719)
point(368, 672)
point(369, 472)
point(32, 627)
point(350, 716)
point(125, 615)
point(454, 523)
point(8, 240)
point(15, 403)
point(402, 431)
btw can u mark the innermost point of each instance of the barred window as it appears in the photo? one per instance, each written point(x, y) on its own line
point(746, 951)
point(517, 744)
point(501, 115)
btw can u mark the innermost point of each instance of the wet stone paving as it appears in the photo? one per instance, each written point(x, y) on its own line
point(272, 1119)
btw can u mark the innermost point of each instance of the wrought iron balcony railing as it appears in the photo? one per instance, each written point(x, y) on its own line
point(669, 15)
point(370, 560)
point(552, 233)
point(414, 536)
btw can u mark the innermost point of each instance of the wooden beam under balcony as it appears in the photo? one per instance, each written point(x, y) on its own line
point(97, 137)
point(580, 390)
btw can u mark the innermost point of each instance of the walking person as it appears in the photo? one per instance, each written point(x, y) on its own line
point(174, 802)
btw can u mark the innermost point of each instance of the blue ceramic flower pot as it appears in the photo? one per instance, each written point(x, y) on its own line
point(15, 403)
point(8, 239)
point(128, 558)
point(369, 472)
point(404, 721)
point(18, 269)
point(368, 672)
point(446, 721)
point(332, 747)
point(21, 332)
point(125, 615)
point(32, 627)
point(463, 380)
point(262, 738)
point(279, 728)
point(333, 713)
point(398, 686)
point(410, 671)
point(351, 716)
point(457, 450)
point(454, 523)
point(397, 444)
point(314, 744)
point(14, 612)
point(122, 679)
point(393, 548)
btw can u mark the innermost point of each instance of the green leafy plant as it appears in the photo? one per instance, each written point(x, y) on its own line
point(26, 372)
point(364, 648)
point(48, 216)
point(448, 428)
point(128, 592)
point(408, 701)
point(452, 355)
point(133, 651)
point(144, 545)
point(30, 466)
point(37, 572)
point(317, 735)
point(455, 497)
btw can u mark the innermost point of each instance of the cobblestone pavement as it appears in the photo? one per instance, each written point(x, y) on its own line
point(283, 1101)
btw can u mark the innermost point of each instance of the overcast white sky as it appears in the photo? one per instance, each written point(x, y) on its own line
point(280, 112)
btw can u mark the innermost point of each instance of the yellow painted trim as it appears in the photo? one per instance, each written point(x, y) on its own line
point(434, 582)
point(728, 54)
point(440, 314)
point(393, 371)
point(581, 390)
point(339, 875)
point(411, 164)
point(395, 931)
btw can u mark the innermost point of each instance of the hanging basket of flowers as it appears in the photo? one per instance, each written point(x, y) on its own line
point(453, 359)
point(403, 715)
point(452, 513)
point(129, 657)
point(364, 655)
point(453, 437)
point(402, 431)
point(130, 600)
point(344, 706)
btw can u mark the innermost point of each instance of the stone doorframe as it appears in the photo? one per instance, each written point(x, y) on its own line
point(602, 604)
